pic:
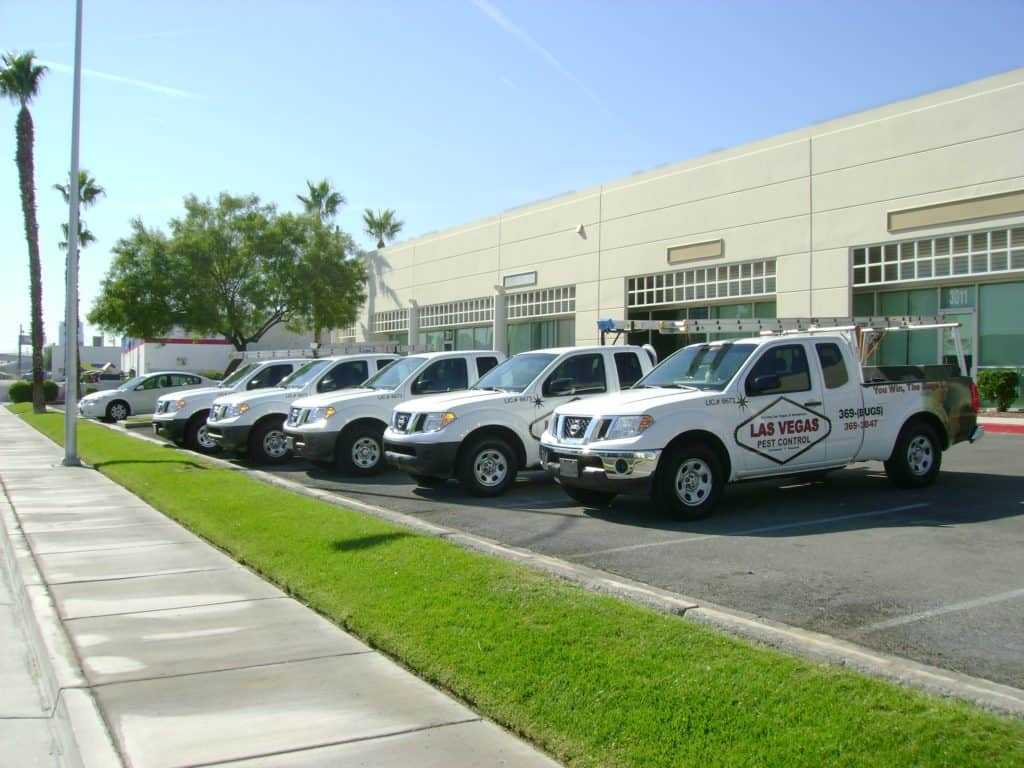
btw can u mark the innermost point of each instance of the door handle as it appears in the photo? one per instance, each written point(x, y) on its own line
point(811, 403)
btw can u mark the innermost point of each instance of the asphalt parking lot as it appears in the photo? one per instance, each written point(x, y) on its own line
point(935, 575)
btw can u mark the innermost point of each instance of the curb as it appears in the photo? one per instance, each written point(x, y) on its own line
point(789, 639)
point(81, 731)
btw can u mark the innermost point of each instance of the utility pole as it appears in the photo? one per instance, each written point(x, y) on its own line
point(71, 296)
point(21, 335)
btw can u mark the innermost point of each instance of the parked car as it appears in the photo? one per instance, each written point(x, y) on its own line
point(252, 423)
point(181, 417)
point(138, 395)
point(346, 429)
point(756, 408)
point(485, 435)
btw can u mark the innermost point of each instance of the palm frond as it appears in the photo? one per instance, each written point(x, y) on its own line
point(20, 77)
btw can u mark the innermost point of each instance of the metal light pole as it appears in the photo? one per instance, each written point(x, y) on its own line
point(71, 300)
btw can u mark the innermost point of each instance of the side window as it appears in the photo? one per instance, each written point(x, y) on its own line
point(153, 382)
point(780, 370)
point(833, 367)
point(484, 364)
point(383, 363)
point(180, 380)
point(442, 376)
point(193, 380)
point(343, 376)
point(269, 376)
point(577, 375)
point(628, 366)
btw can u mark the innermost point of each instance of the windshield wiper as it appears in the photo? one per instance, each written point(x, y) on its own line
point(678, 385)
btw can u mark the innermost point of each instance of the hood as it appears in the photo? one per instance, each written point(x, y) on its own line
point(255, 396)
point(342, 397)
point(103, 394)
point(452, 400)
point(634, 402)
point(186, 393)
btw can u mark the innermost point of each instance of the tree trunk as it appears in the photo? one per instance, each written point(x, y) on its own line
point(26, 179)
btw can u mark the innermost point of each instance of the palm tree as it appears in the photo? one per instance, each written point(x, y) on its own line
point(323, 200)
point(383, 225)
point(89, 192)
point(20, 77)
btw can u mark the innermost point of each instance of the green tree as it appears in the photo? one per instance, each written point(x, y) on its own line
point(20, 77)
point(235, 268)
point(322, 200)
point(383, 226)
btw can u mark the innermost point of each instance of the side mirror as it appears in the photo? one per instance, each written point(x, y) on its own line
point(424, 387)
point(140, 387)
point(558, 387)
point(764, 383)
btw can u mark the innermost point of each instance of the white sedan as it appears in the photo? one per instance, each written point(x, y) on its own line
point(138, 396)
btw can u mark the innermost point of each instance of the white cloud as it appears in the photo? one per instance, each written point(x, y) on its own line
point(144, 84)
point(503, 21)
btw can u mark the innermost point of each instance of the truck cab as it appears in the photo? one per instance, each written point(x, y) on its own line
point(252, 423)
point(346, 430)
point(181, 417)
point(485, 435)
point(759, 407)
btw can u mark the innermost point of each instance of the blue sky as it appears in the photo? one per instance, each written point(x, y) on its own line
point(446, 111)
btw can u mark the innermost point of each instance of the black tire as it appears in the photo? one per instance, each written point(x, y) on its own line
point(429, 481)
point(266, 442)
point(917, 457)
point(118, 410)
point(360, 451)
point(690, 481)
point(487, 467)
point(196, 438)
point(589, 497)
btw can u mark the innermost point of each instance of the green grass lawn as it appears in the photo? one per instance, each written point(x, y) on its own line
point(593, 680)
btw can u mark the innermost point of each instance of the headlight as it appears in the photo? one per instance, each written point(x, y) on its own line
point(177, 405)
point(320, 414)
point(235, 410)
point(436, 421)
point(628, 426)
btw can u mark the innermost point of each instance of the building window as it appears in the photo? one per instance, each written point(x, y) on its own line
point(991, 251)
point(750, 278)
point(453, 313)
point(391, 321)
point(541, 303)
point(541, 334)
point(344, 335)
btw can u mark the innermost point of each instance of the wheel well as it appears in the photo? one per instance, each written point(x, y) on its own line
point(203, 415)
point(703, 436)
point(493, 430)
point(931, 420)
point(364, 422)
point(269, 417)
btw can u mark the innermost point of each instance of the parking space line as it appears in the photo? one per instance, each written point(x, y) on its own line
point(942, 610)
point(750, 531)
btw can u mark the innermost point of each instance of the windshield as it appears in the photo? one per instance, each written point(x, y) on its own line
point(237, 376)
point(133, 383)
point(300, 377)
point(516, 373)
point(702, 366)
point(393, 376)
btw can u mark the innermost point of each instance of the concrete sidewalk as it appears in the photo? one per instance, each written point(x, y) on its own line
point(193, 660)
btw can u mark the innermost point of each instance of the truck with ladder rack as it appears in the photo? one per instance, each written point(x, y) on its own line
point(787, 397)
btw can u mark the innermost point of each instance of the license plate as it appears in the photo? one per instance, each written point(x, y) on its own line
point(569, 467)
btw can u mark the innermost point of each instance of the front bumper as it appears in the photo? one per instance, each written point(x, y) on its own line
point(91, 410)
point(312, 446)
point(172, 429)
point(614, 471)
point(233, 438)
point(429, 459)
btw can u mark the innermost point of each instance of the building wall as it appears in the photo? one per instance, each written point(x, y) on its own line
point(94, 356)
point(802, 200)
point(151, 356)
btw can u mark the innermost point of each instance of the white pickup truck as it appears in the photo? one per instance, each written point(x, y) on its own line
point(181, 417)
point(347, 429)
point(252, 423)
point(485, 435)
point(787, 403)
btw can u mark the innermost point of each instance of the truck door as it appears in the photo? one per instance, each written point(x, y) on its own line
point(842, 403)
point(785, 429)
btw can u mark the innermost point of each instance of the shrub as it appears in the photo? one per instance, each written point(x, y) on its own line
point(21, 391)
point(999, 385)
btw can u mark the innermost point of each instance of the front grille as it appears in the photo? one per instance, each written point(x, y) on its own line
point(218, 412)
point(575, 427)
point(162, 406)
point(402, 422)
point(295, 416)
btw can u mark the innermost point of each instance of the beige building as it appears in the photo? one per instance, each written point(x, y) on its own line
point(912, 208)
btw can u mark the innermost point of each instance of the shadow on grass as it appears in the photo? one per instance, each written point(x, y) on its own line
point(367, 542)
point(183, 462)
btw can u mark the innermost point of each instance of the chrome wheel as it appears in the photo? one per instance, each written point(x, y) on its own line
point(118, 412)
point(490, 467)
point(365, 453)
point(275, 444)
point(204, 440)
point(920, 456)
point(693, 482)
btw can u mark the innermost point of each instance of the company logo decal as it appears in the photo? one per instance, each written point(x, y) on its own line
point(783, 431)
